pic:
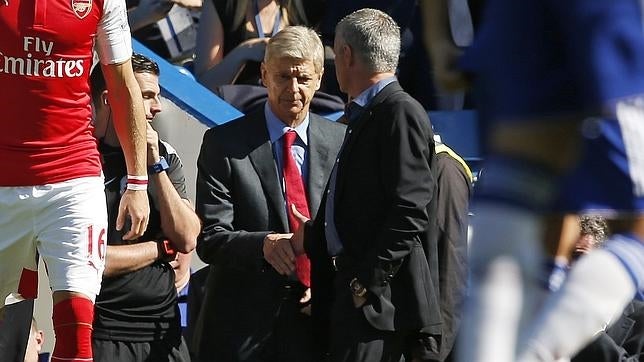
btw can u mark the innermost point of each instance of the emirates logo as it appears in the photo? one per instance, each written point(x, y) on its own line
point(81, 7)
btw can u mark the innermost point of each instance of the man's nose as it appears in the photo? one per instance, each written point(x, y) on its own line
point(294, 84)
point(155, 106)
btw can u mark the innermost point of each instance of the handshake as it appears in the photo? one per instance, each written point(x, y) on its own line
point(280, 250)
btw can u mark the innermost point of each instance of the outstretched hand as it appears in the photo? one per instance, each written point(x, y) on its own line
point(278, 252)
point(297, 240)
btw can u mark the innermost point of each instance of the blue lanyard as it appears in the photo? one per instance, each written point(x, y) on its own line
point(258, 20)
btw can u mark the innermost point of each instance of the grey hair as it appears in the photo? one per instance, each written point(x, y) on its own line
point(297, 42)
point(374, 37)
point(595, 226)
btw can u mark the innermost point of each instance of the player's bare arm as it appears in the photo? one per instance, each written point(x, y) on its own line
point(130, 124)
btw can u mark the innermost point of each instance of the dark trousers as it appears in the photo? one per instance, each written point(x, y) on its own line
point(353, 339)
point(158, 351)
point(290, 340)
point(285, 336)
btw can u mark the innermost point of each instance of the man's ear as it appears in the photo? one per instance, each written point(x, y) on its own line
point(264, 73)
point(347, 54)
point(318, 81)
point(40, 339)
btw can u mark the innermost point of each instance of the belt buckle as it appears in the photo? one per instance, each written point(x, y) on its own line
point(334, 261)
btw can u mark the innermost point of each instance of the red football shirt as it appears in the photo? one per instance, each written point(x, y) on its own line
point(45, 62)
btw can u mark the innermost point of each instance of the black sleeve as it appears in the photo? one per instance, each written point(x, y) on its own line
point(175, 172)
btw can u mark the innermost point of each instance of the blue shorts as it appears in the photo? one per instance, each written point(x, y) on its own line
point(536, 58)
point(609, 179)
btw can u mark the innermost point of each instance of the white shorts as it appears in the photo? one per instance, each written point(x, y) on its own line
point(66, 224)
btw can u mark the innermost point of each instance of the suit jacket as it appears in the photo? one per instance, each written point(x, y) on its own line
point(383, 193)
point(454, 188)
point(240, 201)
point(623, 341)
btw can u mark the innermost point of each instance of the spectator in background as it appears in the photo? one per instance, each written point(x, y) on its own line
point(233, 34)
point(413, 71)
point(544, 70)
point(453, 191)
point(231, 41)
point(250, 171)
point(143, 16)
point(593, 233)
point(447, 28)
point(375, 262)
point(623, 339)
point(588, 233)
point(137, 316)
point(34, 345)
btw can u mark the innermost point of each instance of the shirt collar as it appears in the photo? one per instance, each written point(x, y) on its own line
point(368, 94)
point(277, 128)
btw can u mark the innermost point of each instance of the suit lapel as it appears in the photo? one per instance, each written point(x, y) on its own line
point(320, 161)
point(367, 113)
point(261, 156)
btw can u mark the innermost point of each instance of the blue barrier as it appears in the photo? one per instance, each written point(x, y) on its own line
point(187, 94)
point(458, 129)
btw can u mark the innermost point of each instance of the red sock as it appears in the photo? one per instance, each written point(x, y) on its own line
point(73, 327)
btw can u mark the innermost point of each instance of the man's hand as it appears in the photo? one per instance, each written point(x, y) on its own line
point(152, 140)
point(279, 253)
point(135, 205)
point(297, 241)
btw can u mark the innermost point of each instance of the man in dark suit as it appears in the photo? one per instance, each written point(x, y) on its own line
point(374, 263)
point(256, 289)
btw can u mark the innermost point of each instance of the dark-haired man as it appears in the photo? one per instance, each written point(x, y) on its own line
point(137, 316)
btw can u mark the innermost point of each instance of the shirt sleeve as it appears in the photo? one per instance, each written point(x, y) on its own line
point(175, 171)
point(113, 39)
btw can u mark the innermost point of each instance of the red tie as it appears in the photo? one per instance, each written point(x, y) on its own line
point(296, 195)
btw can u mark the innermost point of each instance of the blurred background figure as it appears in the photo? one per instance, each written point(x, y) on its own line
point(621, 339)
point(167, 27)
point(233, 35)
point(231, 42)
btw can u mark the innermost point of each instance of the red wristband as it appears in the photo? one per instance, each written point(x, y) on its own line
point(167, 248)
